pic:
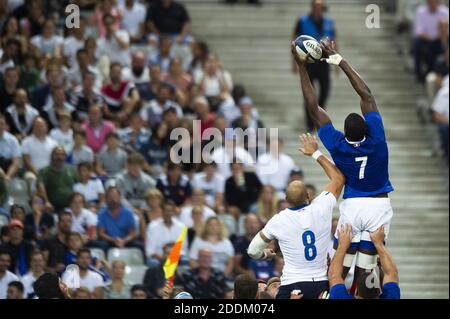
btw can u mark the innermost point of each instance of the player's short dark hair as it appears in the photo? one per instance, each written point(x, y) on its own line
point(18, 285)
point(355, 127)
point(245, 287)
point(47, 287)
point(364, 289)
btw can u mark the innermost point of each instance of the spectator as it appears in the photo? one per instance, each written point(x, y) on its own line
point(49, 286)
point(232, 148)
point(267, 204)
point(135, 134)
point(55, 247)
point(139, 292)
point(296, 175)
point(90, 186)
point(37, 269)
point(118, 288)
point(29, 74)
point(15, 290)
point(82, 293)
point(152, 112)
point(20, 115)
point(56, 181)
point(213, 236)
point(318, 26)
point(167, 17)
point(156, 149)
point(149, 91)
point(18, 248)
point(177, 76)
point(116, 224)
point(274, 167)
point(6, 276)
point(245, 287)
point(85, 96)
point(10, 152)
point(9, 55)
point(435, 79)
point(112, 159)
point(138, 73)
point(161, 232)
point(74, 42)
point(200, 52)
point(63, 134)
point(427, 44)
point(56, 107)
point(39, 223)
point(120, 95)
point(84, 221)
point(96, 128)
point(42, 95)
point(242, 189)
point(82, 67)
point(198, 200)
point(88, 278)
point(203, 282)
point(133, 15)
point(80, 151)
point(312, 191)
point(154, 200)
point(212, 184)
point(8, 88)
point(174, 185)
point(215, 82)
point(440, 114)
point(48, 44)
point(134, 183)
point(10, 30)
point(204, 115)
point(261, 269)
point(116, 43)
point(154, 278)
point(37, 148)
point(249, 118)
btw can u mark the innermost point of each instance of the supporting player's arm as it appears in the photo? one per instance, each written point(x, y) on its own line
point(336, 269)
point(368, 103)
point(310, 147)
point(258, 247)
point(387, 262)
point(318, 114)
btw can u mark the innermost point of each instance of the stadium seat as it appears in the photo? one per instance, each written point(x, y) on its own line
point(98, 253)
point(135, 274)
point(131, 256)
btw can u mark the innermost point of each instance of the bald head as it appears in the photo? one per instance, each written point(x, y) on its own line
point(297, 194)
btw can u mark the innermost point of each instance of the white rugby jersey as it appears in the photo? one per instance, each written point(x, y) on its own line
point(303, 234)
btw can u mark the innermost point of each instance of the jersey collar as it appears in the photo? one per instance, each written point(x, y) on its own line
point(356, 143)
point(298, 207)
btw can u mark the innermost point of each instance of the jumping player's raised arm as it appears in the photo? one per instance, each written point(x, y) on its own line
point(368, 103)
point(318, 114)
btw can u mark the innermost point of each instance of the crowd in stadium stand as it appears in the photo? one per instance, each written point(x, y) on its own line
point(423, 26)
point(86, 177)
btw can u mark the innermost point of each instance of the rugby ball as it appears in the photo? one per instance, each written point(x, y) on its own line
point(305, 44)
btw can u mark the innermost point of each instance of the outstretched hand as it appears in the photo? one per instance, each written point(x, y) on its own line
point(309, 144)
point(329, 53)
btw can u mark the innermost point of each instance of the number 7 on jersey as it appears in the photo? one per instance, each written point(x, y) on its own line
point(362, 169)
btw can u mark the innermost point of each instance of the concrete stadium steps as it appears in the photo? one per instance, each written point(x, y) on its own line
point(253, 42)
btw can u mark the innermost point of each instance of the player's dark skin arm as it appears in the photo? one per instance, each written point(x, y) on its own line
point(368, 103)
point(318, 114)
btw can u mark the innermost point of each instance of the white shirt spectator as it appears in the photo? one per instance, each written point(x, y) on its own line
point(441, 103)
point(91, 190)
point(111, 49)
point(28, 281)
point(91, 280)
point(71, 47)
point(427, 22)
point(212, 84)
point(275, 171)
point(152, 112)
point(63, 139)
point(76, 77)
point(47, 46)
point(186, 215)
point(4, 281)
point(39, 151)
point(223, 159)
point(133, 18)
point(81, 223)
point(211, 188)
point(9, 146)
point(158, 235)
point(222, 250)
